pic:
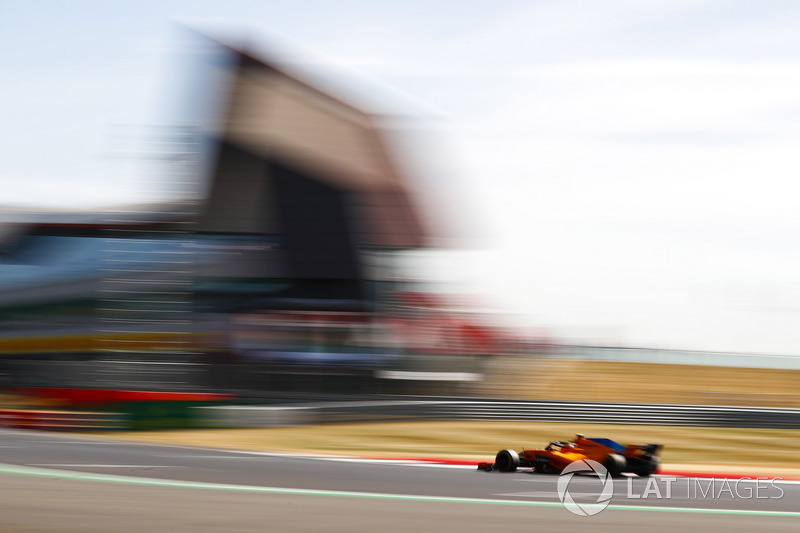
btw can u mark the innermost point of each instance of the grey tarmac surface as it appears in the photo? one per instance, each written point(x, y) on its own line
point(235, 491)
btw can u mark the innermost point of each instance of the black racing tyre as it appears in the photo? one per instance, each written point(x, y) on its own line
point(615, 464)
point(646, 467)
point(506, 461)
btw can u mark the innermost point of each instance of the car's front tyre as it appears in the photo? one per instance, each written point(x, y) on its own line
point(506, 461)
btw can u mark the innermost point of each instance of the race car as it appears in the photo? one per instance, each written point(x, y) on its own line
point(640, 459)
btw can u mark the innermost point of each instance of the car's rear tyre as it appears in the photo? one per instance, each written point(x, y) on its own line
point(646, 467)
point(506, 461)
point(615, 464)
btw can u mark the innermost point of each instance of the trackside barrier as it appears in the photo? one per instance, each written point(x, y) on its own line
point(522, 410)
point(230, 416)
point(396, 410)
point(60, 420)
point(136, 410)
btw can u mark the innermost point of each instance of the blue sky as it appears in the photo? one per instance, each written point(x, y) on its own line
point(632, 165)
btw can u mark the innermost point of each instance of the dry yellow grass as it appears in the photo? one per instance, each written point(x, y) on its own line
point(753, 451)
point(607, 381)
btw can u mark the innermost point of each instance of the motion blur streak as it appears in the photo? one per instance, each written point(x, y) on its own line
point(285, 243)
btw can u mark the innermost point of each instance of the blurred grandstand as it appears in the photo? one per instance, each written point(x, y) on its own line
point(269, 272)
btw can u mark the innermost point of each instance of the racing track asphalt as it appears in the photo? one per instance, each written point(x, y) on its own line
point(124, 488)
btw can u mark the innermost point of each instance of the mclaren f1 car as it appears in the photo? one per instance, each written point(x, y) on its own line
point(639, 459)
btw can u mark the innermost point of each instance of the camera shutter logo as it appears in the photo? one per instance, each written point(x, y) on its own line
point(589, 467)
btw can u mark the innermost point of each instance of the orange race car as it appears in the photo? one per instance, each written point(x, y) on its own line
point(640, 459)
